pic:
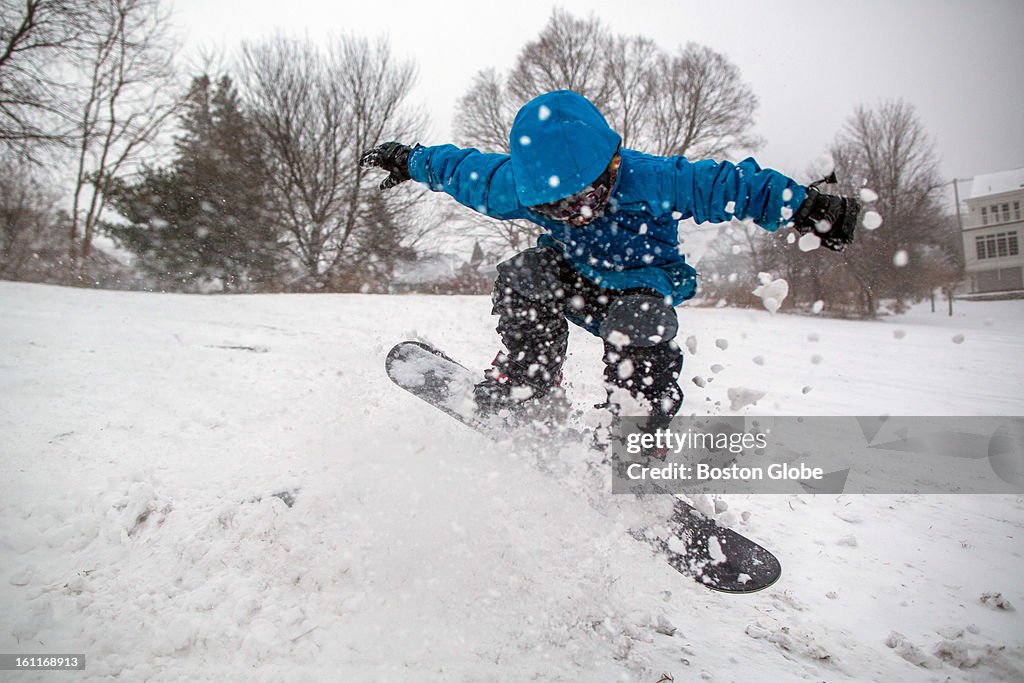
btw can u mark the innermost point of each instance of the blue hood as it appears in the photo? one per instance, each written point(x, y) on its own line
point(559, 144)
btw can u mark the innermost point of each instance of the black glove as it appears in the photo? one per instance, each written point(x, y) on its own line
point(393, 157)
point(839, 212)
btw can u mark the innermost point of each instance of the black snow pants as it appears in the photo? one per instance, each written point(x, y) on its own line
point(536, 292)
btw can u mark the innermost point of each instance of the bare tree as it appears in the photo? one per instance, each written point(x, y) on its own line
point(570, 53)
point(127, 97)
point(736, 256)
point(483, 118)
point(888, 150)
point(36, 39)
point(630, 68)
point(318, 110)
point(700, 105)
point(375, 86)
point(29, 245)
point(485, 113)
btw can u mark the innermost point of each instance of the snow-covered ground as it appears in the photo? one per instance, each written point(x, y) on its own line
point(142, 438)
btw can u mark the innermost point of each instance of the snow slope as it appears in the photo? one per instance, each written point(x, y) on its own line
point(143, 438)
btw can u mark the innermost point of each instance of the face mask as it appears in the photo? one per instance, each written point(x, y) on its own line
point(586, 205)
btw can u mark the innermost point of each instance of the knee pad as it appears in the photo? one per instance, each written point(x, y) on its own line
point(645, 319)
point(534, 274)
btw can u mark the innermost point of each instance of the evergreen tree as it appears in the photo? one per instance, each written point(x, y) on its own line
point(377, 248)
point(204, 217)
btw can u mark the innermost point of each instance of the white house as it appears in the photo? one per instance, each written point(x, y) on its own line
point(992, 231)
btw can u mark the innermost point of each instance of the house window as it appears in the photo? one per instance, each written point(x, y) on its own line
point(1016, 211)
point(998, 245)
point(982, 244)
point(984, 216)
point(994, 212)
point(1006, 213)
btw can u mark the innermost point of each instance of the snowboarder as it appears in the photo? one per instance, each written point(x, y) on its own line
point(609, 259)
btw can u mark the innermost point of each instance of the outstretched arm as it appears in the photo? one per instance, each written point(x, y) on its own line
point(719, 191)
point(483, 182)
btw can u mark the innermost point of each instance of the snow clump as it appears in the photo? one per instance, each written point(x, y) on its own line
point(772, 293)
point(825, 163)
point(809, 242)
point(996, 601)
point(619, 339)
point(868, 196)
point(872, 220)
point(741, 397)
point(625, 369)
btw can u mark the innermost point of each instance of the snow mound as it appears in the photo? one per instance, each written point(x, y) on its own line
point(279, 508)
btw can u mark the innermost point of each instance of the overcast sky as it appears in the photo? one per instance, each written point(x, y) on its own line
point(810, 63)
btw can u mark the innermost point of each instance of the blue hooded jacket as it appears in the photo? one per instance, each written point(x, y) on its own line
point(560, 143)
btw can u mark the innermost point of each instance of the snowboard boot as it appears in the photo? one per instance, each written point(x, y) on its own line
point(513, 392)
point(647, 367)
point(529, 300)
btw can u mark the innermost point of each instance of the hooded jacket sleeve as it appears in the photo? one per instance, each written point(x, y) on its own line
point(719, 191)
point(483, 182)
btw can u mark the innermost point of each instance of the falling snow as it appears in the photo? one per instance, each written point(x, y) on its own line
point(868, 196)
point(809, 242)
point(872, 220)
point(772, 293)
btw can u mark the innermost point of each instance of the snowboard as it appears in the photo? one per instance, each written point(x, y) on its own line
point(698, 547)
